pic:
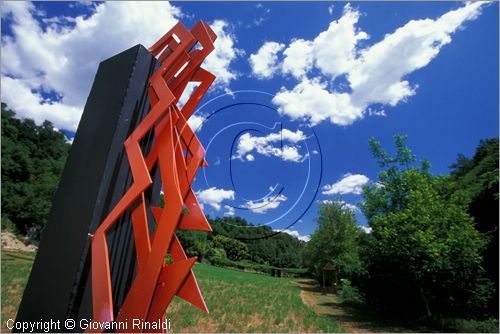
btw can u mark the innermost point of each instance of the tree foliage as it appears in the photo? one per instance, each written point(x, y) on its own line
point(478, 177)
point(262, 244)
point(235, 250)
point(265, 245)
point(335, 241)
point(33, 158)
point(426, 253)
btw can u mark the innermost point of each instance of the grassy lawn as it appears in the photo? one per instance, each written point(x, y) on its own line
point(16, 267)
point(246, 302)
point(238, 301)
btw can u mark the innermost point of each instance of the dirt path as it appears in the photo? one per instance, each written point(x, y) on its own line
point(11, 242)
point(353, 320)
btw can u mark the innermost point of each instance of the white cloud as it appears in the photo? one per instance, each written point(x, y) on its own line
point(266, 204)
point(310, 100)
point(196, 122)
point(262, 16)
point(330, 9)
point(334, 49)
point(229, 211)
point(296, 234)
point(20, 98)
point(264, 145)
point(349, 184)
point(366, 229)
point(219, 61)
point(298, 58)
point(344, 204)
point(60, 57)
point(264, 61)
point(190, 87)
point(214, 196)
point(378, 76)
point(350, 78)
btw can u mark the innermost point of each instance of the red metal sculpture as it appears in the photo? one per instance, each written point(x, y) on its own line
point(178, 154)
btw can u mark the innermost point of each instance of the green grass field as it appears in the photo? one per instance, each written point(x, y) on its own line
point(238, 301)
point(16, 267)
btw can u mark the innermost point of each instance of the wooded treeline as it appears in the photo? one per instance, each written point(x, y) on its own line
point(235, 239)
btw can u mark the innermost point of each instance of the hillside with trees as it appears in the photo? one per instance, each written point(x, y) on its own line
point(235, 239)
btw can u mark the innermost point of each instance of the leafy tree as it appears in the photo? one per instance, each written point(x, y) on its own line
point(478, 177)
point(235, 250)
point(200, 249)
point(33, 158)
point(426, 253)
point(335, 241)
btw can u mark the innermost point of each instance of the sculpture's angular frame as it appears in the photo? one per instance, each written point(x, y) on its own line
point(178, 154)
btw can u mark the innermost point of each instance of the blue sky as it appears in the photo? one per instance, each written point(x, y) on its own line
point(301, 87)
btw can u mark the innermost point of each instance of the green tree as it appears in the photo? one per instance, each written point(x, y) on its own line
point(280, 250)
point(426, 253)
point(478, 177)
point(335, 241)
point(235, 250)
point(33, 158)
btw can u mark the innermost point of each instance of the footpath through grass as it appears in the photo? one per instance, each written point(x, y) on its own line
point(238, 301)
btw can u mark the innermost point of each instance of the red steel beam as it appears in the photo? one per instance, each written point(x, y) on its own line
point(178, 153)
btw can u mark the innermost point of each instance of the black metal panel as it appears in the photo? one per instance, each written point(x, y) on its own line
point(95, 177)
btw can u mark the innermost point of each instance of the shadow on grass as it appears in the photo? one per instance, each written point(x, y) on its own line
point(357, 318)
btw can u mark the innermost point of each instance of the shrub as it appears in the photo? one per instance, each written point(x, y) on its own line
point(469, 326)
point(8, 225)
point(217, 253)
point(349, 294)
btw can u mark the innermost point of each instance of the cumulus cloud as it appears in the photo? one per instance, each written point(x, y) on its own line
point(49, 63)
point(312, 101)
point(265, 145)
point(266, 204)
point(28, 104)
point(219, 61)
point(214, 197)
point(342, 203)
point(229, 211)
point(298, 58)
point(348, 78)
point(296, 234)
point(334, 49)
point(349, 184)
point(264, 61)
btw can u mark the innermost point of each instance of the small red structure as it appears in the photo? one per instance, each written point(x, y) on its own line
point(178, 153)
